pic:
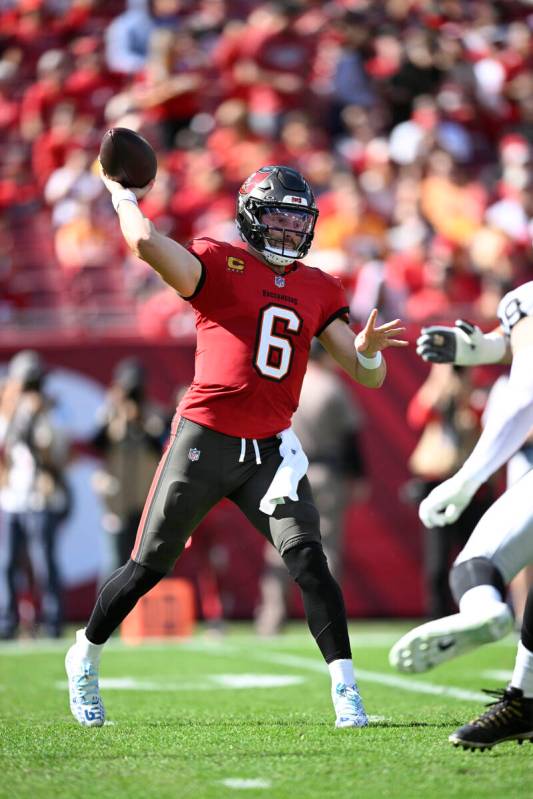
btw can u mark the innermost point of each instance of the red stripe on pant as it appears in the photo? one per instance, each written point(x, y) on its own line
point(149, 498)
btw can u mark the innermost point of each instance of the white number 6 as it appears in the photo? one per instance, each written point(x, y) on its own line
point(274, 348)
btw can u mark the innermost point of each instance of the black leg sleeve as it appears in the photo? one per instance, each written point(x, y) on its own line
point(322, 598)
point(471, 573)
point(118, 597)
point(526, 634)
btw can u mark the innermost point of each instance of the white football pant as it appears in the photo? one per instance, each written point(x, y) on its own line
point(504, 534)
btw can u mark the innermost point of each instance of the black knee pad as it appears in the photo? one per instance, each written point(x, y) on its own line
point(307, 565)
point(474, 572)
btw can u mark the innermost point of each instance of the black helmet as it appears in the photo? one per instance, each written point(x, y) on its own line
point(276, 214)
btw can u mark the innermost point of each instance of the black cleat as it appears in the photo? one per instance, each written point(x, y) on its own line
point(509, 718)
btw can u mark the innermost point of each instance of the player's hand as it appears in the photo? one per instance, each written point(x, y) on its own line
point(461, 344)
point(447, 501)
point(113, 186)
point(372, 339)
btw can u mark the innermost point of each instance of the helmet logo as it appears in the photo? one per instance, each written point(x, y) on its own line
point(289, 198)
point(251, 182)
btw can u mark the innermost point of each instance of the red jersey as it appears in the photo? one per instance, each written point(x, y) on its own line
point(254, 330)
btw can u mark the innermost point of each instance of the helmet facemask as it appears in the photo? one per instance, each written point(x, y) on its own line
point(287, 232)
point(276, 214)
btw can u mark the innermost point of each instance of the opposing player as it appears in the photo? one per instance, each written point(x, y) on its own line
point(502, 543)
point(257, 309)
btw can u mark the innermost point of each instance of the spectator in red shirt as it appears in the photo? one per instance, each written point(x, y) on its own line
point(52, 145)
point(273, 64)
point(40, 99)
point(169, 90)
point(89, 84)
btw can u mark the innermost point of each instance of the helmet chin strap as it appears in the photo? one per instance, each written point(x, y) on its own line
point(271, 257)
point(277, 260)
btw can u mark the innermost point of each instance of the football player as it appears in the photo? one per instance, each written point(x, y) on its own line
point(502, 543)
point(257, 308)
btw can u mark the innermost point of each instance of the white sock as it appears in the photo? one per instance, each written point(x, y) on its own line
point(341, 671)
point(477, 601)
point(523, 671)
point(88, 651)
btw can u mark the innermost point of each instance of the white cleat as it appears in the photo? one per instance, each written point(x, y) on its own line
point(444, 639)
point(349, 708)
point(85, 703)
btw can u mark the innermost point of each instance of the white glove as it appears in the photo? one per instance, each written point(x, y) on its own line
point(465, 344)
point(447, 501)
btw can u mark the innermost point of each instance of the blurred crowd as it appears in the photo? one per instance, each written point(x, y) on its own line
point(412, 120)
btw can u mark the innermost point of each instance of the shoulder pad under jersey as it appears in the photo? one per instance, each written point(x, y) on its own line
point(515, 305)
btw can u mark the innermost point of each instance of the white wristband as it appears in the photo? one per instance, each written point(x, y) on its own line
point(123, 194)
point(369, 363)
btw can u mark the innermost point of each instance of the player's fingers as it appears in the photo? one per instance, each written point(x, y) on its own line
point(371, 320)
point(388, 325)
point(427, 515)
point(465, 326)
point(451, 514)
point(142, 192)
point(397, 342)
point(432, 357)
point(393, 331)
point(435, 516)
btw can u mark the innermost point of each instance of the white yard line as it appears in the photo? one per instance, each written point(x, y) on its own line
point(208, 682)
point(497, 674)
point(224, 649)
point(390, 680)
point(239, 783)
point(224, 646)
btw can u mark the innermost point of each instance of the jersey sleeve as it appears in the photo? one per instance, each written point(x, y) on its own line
point(334, 305)
point(213, 279)
point(515, 305)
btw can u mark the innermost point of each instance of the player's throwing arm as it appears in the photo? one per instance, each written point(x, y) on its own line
point(127, 161)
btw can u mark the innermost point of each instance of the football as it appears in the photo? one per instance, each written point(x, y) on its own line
point(127, 158)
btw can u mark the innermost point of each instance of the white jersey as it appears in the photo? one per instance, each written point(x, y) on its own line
point(505, 533)
point(515, 305)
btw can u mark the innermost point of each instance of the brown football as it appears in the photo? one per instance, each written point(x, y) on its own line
point(127, 158)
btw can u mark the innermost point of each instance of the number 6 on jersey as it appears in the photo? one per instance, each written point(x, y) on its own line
point(274, 350)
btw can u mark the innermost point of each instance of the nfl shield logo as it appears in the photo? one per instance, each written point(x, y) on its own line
point(194, 454)
point(279, 280)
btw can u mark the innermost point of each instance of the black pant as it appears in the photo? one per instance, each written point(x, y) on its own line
point(199, 468)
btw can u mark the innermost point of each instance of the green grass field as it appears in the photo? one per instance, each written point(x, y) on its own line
point(187, 719)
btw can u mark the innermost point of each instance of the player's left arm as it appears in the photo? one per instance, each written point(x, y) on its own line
point(343, 345)
point(502, 436)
